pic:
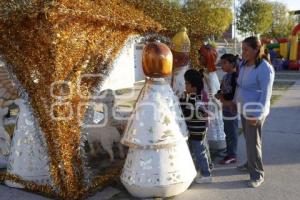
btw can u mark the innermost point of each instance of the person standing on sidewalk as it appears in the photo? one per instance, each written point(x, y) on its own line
point(226, 95)
point(194, 109)
point(254, 91)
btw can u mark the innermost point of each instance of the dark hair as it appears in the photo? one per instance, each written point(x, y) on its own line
point(195, 78)
point(232, 59)
point(255, 43)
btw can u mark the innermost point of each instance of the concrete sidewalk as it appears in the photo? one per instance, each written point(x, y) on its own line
point(281, 155)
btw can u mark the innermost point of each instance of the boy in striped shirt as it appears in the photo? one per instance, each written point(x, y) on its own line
point(194, 111)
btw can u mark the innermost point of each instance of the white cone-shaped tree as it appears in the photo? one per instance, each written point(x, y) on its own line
point(159, 163)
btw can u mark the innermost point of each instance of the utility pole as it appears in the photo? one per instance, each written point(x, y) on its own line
point(234, 25)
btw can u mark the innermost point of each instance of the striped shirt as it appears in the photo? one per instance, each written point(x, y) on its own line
point(194, 111)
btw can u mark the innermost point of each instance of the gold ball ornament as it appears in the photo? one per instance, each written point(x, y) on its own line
point(157, 60)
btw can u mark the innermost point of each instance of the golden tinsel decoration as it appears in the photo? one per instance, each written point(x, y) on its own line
point(51, 40)
point(97, 183)
point(29, 185)
point(199, 17)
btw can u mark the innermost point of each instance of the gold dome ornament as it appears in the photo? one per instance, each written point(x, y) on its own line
point(181, 42)
point(157, 60)
point(181, 46)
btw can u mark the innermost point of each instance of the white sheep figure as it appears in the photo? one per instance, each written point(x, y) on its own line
point(105, 134)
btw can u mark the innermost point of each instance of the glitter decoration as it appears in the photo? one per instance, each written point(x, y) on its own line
point(46, 41)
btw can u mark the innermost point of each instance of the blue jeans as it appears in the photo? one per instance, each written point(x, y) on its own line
point(201, 160)
point(231, 131)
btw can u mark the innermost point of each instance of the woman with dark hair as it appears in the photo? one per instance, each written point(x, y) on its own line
point(254, 90)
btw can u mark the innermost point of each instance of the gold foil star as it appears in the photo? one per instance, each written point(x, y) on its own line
point(166, 121)
point(150, 130)
point(167, 133)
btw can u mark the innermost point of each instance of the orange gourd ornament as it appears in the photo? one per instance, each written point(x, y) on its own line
point(208, 57)
point(157, 60)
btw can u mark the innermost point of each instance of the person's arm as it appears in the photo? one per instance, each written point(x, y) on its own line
point(204, 98)
point(230, 96)
point(183, 104)
point(265, 81)
point(218, 95)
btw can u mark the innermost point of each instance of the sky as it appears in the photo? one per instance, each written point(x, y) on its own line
point(291, 4)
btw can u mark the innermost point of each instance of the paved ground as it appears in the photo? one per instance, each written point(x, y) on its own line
point(281, 150)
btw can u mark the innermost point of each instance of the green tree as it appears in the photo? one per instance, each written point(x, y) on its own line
point(202, 17)
point(175, 3)
point(282, 23)
point(210, 17)
point(255, 17)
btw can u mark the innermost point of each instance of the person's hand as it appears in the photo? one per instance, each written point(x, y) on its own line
point(252, 121)
point(218, 96)
point(222, 98)
point(229, 105)
point(182, 97)
point(233, 107)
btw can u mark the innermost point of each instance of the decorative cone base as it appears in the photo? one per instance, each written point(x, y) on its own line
point(158, 173)
point(156, 191)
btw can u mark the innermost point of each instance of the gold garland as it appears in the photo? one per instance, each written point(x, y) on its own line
point(51, 45)
point(53, 39)
point(28, 185)
point(98, 183)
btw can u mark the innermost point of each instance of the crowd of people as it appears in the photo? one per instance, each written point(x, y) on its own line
point(244, 94)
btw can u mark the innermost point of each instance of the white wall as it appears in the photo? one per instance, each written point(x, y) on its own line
point(122, 74)
point(127, 68)
point(138, 68)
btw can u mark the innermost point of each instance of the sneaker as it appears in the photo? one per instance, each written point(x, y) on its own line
point(198, 175)
point(203, 179)
point(256, 183)
point(228, 160)
point(243, 167)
